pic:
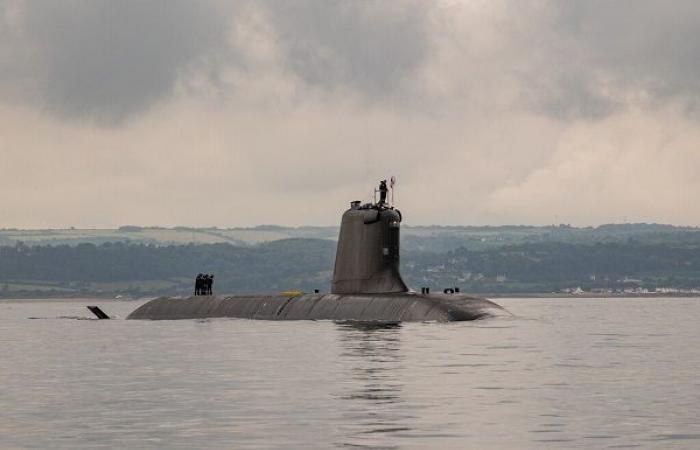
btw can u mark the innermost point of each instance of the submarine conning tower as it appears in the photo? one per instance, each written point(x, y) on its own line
point(367, 258)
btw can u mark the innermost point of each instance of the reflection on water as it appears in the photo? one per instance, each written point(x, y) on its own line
point(371, 352)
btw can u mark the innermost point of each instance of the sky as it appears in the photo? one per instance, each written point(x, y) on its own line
point(218, 113)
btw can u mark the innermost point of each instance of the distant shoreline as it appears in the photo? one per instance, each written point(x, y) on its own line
point(591, 295)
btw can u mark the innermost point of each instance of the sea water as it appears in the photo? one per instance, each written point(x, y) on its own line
point(559, 373)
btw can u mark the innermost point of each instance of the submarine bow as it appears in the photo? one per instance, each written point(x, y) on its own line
point(366, 284)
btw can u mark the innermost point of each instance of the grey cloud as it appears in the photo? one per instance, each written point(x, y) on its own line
point(109, 60)
point(569, 94)
point(369, 46)
point(106, 60)
point(601, 56)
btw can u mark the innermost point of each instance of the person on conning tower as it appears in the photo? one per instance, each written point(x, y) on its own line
point(382, 192)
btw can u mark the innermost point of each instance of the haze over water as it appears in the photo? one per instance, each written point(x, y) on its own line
point(561, 373)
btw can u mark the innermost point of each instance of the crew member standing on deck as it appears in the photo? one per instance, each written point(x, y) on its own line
point(210, 283)
point(203, 288)
point(198, 285)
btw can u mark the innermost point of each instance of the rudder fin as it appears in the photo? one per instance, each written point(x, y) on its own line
point(98, 312)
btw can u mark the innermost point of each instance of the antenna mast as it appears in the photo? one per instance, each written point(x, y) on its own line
point(392, 182)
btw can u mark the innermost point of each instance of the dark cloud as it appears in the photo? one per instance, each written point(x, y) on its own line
point(369, 46)
point(109, 60)
point(600, 56)
point(106, 60)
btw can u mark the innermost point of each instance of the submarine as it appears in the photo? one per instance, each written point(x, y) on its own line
point(366, 285)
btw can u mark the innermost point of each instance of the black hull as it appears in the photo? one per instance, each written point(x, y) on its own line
point(403, 307)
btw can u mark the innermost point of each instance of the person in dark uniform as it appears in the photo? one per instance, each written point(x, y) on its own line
point(210, 283)
point(198, 285)
point(382, 192)
point(203, 290)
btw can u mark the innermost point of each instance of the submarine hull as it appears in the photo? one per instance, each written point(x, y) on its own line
point(399, 307)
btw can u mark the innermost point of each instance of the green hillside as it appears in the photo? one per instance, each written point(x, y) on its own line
point(138, 261)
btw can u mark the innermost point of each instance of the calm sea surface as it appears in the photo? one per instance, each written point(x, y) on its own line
point(561, 373)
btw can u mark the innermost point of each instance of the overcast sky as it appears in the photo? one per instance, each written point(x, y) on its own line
point(280, 112)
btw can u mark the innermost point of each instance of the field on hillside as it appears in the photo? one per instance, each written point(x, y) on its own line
point(160, 236)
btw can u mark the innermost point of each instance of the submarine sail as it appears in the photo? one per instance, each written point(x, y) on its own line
point(367, 258)
point(366, 284)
